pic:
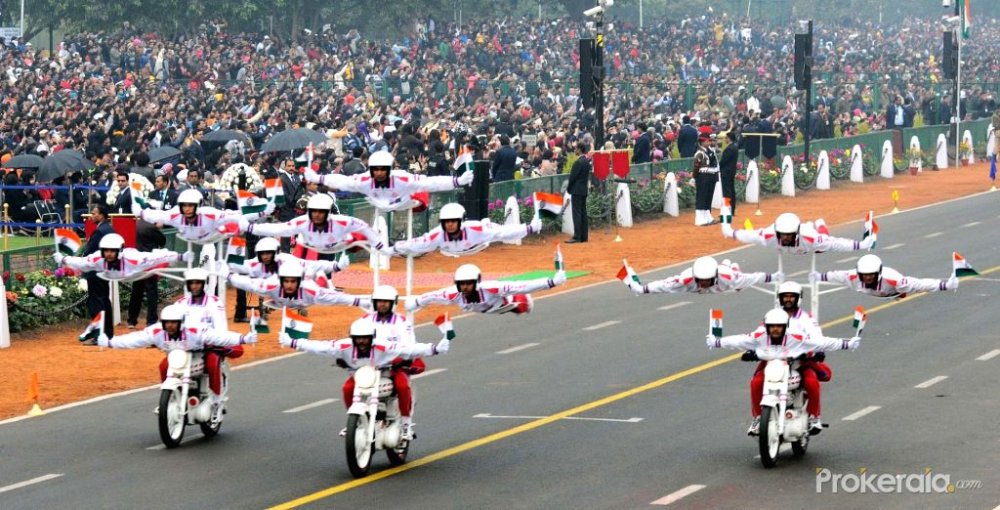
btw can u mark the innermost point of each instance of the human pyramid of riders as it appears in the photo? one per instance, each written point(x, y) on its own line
point(788, 332)
point(382, 338)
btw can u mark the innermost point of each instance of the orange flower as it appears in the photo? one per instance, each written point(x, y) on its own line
point(11, 296)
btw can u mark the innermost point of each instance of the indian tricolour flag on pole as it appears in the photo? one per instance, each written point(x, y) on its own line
point(860, 318)
point(549, 204)
point(236, 251)
point(67, 241)
point(715, 322)
point(274, 191)
point(627, 273)
point(871, 228)
point(726, 213)
point(443, 323)
point(967, 19)
point(961, 266)
point(295, 325)
point(560, 266)
point(94, 329)
point(250, 203)
point(138, 202)
point(258, 323)
point(463, 163)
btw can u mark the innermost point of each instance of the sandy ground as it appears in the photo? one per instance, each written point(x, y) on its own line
point(70, 372)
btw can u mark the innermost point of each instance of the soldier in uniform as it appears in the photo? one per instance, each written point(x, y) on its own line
point(706, 174)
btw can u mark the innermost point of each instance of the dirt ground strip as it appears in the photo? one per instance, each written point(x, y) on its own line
point(69, 372)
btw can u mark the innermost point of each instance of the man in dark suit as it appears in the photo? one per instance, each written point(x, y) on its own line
point(727, 169)
point(148, 238)
point(98, 290)
point(165, 196)
point(504, 162)
point(643, 150)
point(687, 139)
point(123, 204)
point(579, 179)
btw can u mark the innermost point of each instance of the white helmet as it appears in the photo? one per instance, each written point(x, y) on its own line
point(776, 316)
point(290, 271)
point(362, 327)
point(190, 196)
point(787, 223)
point(267, 244)
point(320, 202)
point(111, 242)
point(468, 273)
point(869, 263)
point(705, 268)
point(790, 288)
point(452, 211)
point(381, 159)
point(385, 293)
point(196, 274)
point(172, 313)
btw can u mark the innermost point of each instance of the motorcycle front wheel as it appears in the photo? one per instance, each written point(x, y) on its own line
point(171, 418)
point(397, 456)
point(357, 446)
point(768, 440)
point(799, 447)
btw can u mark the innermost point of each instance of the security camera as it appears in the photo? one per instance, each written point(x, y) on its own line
point(946, 3)
point(593, 11)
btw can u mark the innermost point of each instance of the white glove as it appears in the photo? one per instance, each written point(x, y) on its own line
point(559, 278)
point(535, 225)
point(188, 257)
point(410, 304)
point(244, 224)
point(103, 340)
point(635, 286)
point(223, 271)
point(284, 339)
point(777, 276)
point(727, 230)
point(343, 262)
point(251, 337)
point(311, 176)
point(58, 257)
point(466, 178)
point(867, 243)
point(854, 343)
point(712, 341)
point(268, 209)
point(815, 276)
point(442, 346)
point(136, 209)
point(952, 283)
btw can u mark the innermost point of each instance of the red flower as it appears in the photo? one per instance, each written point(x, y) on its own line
point(46, 272)
point(19, 277)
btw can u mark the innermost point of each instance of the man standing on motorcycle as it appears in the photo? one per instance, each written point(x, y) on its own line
point(202, 310)
point(457, 236)
point(705, 276)
point(198, 224)
point(113, 261)
point(171, 333)
point(289, 288)
point(366, 347)
point(776, 332)
point(872, 278)
point(472, 294)
point(321, 230)
point(789, 235)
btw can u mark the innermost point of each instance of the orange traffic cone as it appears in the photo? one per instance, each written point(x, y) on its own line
point(33, 396)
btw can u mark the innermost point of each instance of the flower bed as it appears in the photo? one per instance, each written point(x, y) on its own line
point(44, 297)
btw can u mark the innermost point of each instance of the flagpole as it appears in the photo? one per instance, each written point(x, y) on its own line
point(958, 94)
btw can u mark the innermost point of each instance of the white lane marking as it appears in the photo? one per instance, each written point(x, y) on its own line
point(187, 439)
point(429, 372)
point(674, 496)
point(634, 419)
point(867, 410)
point(971, 224)
point(318, 403)
point(675, 305)
point(845, 259)
point(518, 348)
point(784, 448)
point(989, 355)
point(933, 234)
point(892, 246)
point(799, 273)
point(931, 382)
point(601, 325)
point(40, 479)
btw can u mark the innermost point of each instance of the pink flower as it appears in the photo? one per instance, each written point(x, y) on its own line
point(39, 290)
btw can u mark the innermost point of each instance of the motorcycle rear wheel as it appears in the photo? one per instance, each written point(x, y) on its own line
point(799, 447)
point(359, 457)
point(768, 440)
point(171, 418)
point(397, 456)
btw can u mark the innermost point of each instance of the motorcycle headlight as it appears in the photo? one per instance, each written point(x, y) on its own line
point(365, 377)
point(177, 359)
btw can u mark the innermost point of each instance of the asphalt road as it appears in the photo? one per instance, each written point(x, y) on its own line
point(617, 405)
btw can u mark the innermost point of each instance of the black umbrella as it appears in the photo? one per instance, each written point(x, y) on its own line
point(163, 152)
point(225, 135)
point(293, 139)
point(24, 161)
point(62, 163)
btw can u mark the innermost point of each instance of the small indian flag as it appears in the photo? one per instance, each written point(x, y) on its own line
point(726, 213)
point(236, 251)
point(549, 204)
point(821, 227)
point(559, 259)
point(961, 266)
point(295, 325)
point(967, 19)
point(258, 323)
point(747, 224)
point(626, 273)
point(94, 329)
point(715, 322)
point(871, 228)
point(67, 241)
point(860, 318)
point(138, 202)
point(444, 324)
point(274, 191)
point(463, 161)
point(250, 203)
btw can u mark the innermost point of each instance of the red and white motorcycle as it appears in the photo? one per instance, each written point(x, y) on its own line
point(185, 397)
point(374, 422)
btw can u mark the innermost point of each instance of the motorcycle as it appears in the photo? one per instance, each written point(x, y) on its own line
point(374, 422)
point(186, 398)
point(783, 416)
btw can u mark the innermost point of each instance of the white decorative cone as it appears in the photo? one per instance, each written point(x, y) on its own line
point(116, 309)
point(887, 170)
point(918, 162)
point(941, 159)
point(376, 259)
point(752, 193)
point(787, 177)
point(991, 141)
point(623, 205)
point(717, 195)
point(823, 177)
point(567, 215)
point(967, 138)
point(512, 213)
point(671, 203)
point(857, 164)
point(4, 325)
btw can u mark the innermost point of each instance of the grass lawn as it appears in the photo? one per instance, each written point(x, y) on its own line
point(16, 241)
